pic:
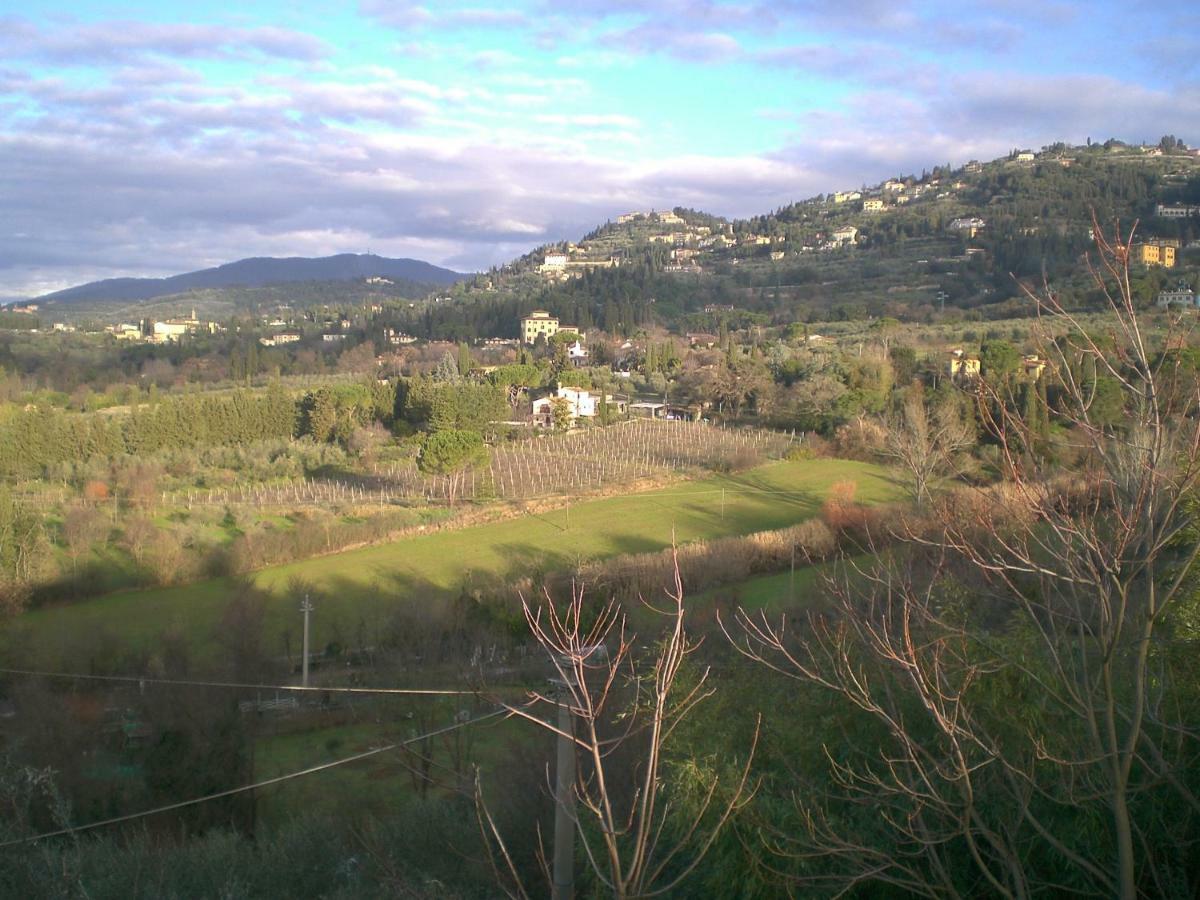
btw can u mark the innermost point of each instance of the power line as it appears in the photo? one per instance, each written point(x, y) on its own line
point(139, 679)
point(278, 779)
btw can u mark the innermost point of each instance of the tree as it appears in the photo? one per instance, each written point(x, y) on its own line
point(1023, 659)
point(450, 453)
point(560, 413)
point(447, 370)
point(623, 703)
point(925, 443)
point(24, 551)
point(83, 525)
point(998, 360)
point(465, 363)
point(320, 415)
point(884, 329)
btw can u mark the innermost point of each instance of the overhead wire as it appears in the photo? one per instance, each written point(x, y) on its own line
point(278, 779)
point(185, 682)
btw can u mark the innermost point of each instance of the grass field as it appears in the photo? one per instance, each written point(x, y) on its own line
point(359, 586)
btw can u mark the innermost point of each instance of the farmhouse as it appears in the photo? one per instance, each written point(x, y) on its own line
point(581, 404)
point(963, 367)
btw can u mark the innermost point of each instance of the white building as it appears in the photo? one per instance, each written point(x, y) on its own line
point(276, 340)
point(1176, 212)
point(577, 354)
point(846, 235)
point(582, 405)
point(1181, 296)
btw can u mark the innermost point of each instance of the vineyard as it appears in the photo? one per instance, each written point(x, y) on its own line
point(543, 466)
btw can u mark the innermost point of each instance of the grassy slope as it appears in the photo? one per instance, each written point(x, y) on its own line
point(360, 585)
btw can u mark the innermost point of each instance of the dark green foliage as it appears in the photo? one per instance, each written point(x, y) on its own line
point(466, 407)
point(33, 440)
point(449, 451)
point(332, 413)
point(998, 360)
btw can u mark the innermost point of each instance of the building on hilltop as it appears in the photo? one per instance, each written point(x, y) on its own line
point(277, 340)
point(171, 330)
point(875, 205)
point(970, 224)
point(1180, 297)
point(1163, 211)
point(554, 264)
point(1154, 253)
point(846, 235)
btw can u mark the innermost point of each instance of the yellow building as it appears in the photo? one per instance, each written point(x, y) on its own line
point(1158, 253)
point(541, 323)
point(963, 367)
point(538, 322)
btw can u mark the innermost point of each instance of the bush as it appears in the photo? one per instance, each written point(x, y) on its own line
point(95, 491)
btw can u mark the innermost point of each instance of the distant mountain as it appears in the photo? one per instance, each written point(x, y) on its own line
point(260, 271)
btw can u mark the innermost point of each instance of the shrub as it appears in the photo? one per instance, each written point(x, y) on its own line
point(95, 491)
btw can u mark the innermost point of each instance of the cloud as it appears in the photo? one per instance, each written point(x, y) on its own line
point(412, 16)
point(676, 41)
point(116, 42)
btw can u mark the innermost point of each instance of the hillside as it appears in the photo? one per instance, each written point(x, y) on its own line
point(946, 241)
point(259, 272)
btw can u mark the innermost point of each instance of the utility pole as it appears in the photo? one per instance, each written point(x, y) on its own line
point(306, 607)
point(792, 581)
point(564, 801)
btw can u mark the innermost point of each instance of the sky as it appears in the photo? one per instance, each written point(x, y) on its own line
point(152, 138)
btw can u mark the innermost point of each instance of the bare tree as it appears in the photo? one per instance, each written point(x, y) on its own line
point(137, 536)
point(1025, 652)
point(625, 705)
point(82, 527)
point(925, 443)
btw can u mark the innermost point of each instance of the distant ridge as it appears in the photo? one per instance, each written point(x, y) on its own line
point(259, 271)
